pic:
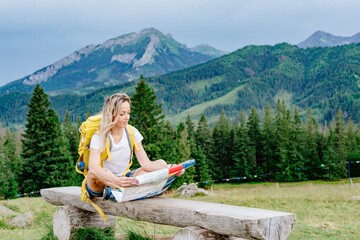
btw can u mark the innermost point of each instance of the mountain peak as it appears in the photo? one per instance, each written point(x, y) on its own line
point(133, 37)
point(208, 50)
point(320, 33)
point(324, 39)
point(117, 60)
point(150, 30)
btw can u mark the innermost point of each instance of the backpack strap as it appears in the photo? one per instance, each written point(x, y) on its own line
point(131, 138)
point(86, 198)
point(132, 144)
point(105, 155)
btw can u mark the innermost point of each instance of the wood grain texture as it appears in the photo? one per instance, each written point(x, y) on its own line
point(229, 220)
point(67, 219)
point(197, 233)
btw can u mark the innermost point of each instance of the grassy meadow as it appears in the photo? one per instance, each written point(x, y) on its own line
point(324, 210)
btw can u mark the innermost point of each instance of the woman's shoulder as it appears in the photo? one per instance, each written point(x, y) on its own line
point(132, 127)
point(136, 132)
point(96, 135)
point(95, 141)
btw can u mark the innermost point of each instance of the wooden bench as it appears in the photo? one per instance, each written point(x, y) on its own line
point(201, 220)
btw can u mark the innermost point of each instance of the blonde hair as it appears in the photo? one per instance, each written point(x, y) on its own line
point(110, 115)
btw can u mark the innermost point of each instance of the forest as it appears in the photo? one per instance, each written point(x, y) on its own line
point(274, 145)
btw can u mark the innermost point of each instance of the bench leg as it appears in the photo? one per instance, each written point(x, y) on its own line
point(67, 219)
point(198, 233)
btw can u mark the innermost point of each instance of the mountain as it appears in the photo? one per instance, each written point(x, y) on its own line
point(322, 79)
point(208, 50)
point(323, 39)
point(113, 62)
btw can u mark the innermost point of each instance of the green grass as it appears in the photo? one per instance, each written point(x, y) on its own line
point(324, 210)
point(196, 111)
point(42, 218)
point(199, 86)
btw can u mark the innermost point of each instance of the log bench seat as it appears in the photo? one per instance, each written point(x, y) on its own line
point(200, 220)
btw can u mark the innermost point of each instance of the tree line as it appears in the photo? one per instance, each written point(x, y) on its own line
point(274, 146)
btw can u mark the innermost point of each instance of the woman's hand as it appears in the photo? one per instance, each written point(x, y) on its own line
point(122, 182)
point(178, 174)
point(127, 181)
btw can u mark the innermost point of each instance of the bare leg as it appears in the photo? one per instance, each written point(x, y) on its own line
point(141, 171)
point(93, 183)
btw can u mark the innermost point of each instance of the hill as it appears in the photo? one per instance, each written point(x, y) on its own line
point(322, 79)
point(113, 62)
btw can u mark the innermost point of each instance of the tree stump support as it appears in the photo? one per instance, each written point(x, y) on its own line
point(68, 218)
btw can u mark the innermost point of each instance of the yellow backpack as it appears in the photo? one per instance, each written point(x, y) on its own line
point(87, 130)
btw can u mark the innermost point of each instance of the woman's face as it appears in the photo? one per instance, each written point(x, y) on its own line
point(124, 115)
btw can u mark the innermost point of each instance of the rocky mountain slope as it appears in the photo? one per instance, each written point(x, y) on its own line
point(115, 61)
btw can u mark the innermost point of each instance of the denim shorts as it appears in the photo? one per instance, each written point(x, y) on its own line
point(130, 173)
point(92, 193)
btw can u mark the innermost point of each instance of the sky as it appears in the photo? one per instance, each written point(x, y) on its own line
point(37, 33)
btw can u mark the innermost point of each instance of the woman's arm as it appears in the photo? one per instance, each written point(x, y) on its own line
point(107, 177)
point(145, 162)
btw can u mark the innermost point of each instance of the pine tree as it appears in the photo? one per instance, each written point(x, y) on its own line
point(321, 143)
point(296, 150)
point(282, 133)
point(222, 160)
point(190, 126)
point(201, 173)
point(184, 150)
point(8, 184)
point(12, 153)
point(311, 154)
point(268, 144)
point(72, 130)
point(330, 164)
point(166, 144)
point(184, 153)
point(72, 136)
point(147, 117)
point(255, 138)
point(353, 147)
point(47, 162)
point(335, 150)
point(340, 144)
point(9, 167)
point(242, 157)
point(203, 139)
point(352, 142)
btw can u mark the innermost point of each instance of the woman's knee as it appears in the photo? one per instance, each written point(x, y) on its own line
point(93, 181)
point(161, 163)
point(90, 175)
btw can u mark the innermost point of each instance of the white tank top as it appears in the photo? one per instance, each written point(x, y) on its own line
point(120, 152)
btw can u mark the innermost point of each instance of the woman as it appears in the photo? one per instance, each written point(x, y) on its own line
point(115, 117)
